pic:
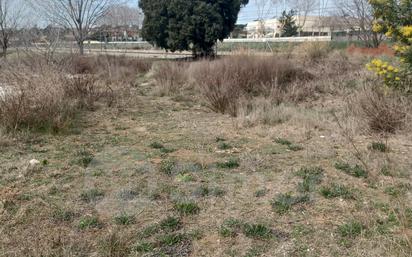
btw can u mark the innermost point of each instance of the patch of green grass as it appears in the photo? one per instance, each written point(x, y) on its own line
point(187, 208)
point(62, 215)
point(84, 158)
point(170, 224)
point(89, 222)
point(295, 147)
point(224, 146)
point(127, 194)
point(351, 229)
point(91, 195)
point(184, 177)
point(171, 239)
point(204, 191)
point(337, 190)
point(257, 231)
point(355, 171)
point(284, 202)
point(167, 167)
point(397, 190)
point(378, 146)
point(156, 145)
point(124, 219)
point(143, 247)
point(260, 192)
point(149, 231)
point(230, 227)
point(283, 141)
point(312, 176)
point(232, 163)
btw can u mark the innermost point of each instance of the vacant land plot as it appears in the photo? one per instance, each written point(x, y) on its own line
point(239, 156)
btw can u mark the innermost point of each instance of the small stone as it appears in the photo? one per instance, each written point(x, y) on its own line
point(34, 162)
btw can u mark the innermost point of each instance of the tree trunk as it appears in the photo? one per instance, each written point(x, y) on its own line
point(81, 47)
point(4, 53)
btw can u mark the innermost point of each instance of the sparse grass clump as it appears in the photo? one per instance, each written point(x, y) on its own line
point(282, 203)
point(187, 208)
point(312, 176)
point(156, 145)
point(283, 141)
point(204, 191)
point(170, 224)
point(232, 163)
point(379, 146)
point(124, 219)
point(224, 146)
point(89, 222)
point(260, 192)
point(167, 167)
point(337, 190)
point(91, 195)
point(230, 227)
point(351, 229)
point(84, 157)
point(257, 231)
point(355, 171)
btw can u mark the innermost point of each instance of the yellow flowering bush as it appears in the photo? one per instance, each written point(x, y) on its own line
point(394, 18)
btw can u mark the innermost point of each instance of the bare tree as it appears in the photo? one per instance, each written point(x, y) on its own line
point(263, 8)
point(303, 8)
point(80, 16)
point(358, 16)
point(10, 19)
point(122, 15)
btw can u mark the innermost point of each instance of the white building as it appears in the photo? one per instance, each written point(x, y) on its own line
point(309, 26)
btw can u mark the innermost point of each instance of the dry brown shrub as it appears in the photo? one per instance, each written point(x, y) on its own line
point(224, 81)
point(384, 111)
point(170, 77)
point(314, 51)
point(37, 95)
point(34, 100)
point(113, 69)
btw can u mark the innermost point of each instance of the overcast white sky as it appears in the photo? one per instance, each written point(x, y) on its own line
point(250, 13)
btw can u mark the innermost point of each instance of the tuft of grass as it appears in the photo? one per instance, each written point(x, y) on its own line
point(232, 163)
point(170, 224)
point(184, 177)
point(284, 202)
point(89, 222)
point(351, 229)
point(312, 176)
point(127, 194)
point(124, 219)
point(84, 158)
point(295, 147)
point(230, 227)
point(260, 192)
point(204, 191)
point(156, 145)
point(167, 167)
point(171, 239)
point(61, 215)
point(355, 171)
point(283, 141)
point(378, 146)
point(257, 231)
point(91, 195)
point(397, 190)
point(143, 247)
point(337, 190)
point(224, 146)
point(187, 208)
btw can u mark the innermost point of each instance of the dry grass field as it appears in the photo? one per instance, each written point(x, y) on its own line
point(299, 155)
